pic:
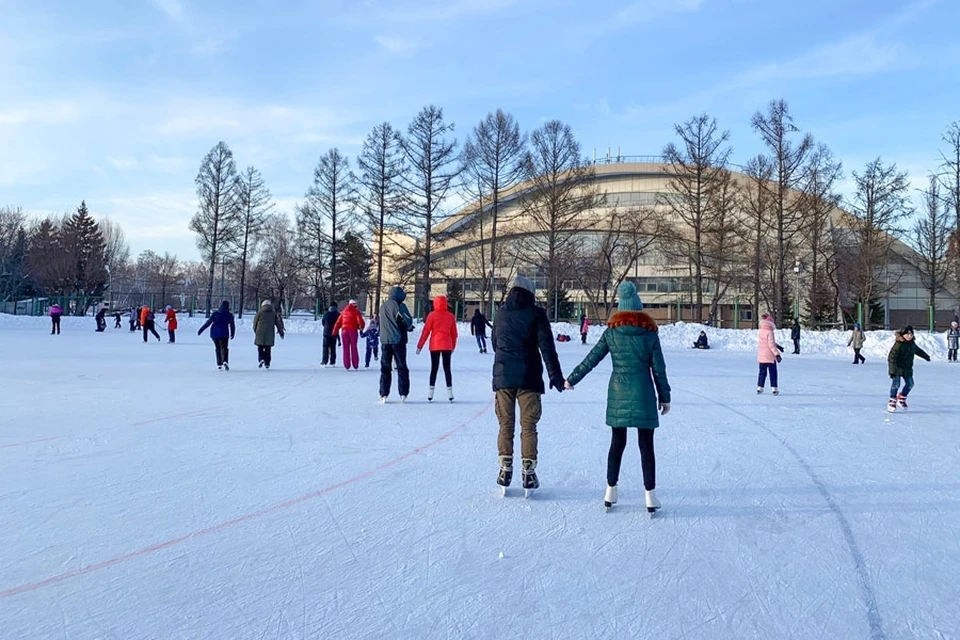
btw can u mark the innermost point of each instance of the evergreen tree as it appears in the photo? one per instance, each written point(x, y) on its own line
point(83, 242)
point(353, 267)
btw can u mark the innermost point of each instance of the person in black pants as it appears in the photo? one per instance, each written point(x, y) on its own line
point(116, 319)
point(222, 330)
point(395, 323)
point(330, 341)
point(795, 336)
point(149, 325)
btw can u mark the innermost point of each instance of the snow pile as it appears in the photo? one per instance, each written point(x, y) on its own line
point(676, 336)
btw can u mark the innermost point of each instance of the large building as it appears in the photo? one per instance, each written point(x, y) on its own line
point(460, 256)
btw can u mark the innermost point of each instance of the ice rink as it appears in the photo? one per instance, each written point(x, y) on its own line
point(144, 494)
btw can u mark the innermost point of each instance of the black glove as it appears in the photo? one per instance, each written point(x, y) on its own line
point(200, 333)
point(927, 358)
point(780, 349)
point(779, 359)
point(557, 385)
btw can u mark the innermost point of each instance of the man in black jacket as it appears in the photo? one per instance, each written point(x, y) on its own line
point(521, 336)
point(478, 328)
point(329, 340)
point(795, 336)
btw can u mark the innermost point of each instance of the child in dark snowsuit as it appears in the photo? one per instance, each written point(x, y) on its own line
point(372, 334)
point(900, 365)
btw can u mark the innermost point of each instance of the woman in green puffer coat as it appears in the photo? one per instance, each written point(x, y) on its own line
point(638, 387)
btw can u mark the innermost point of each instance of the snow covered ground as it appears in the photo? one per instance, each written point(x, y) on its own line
point(144, 494)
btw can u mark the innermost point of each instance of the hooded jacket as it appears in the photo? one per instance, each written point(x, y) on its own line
point(900, 358)
point(440, 327)
point(856, 338)
point(766, 342)
point(171, 320)
point(329, 320)
point(372, 332)
point(638, 367)
point(266, 324)
point(395, 319)
point(56, 311)
point(220, 323)
point(351, 319)
point(521, 336)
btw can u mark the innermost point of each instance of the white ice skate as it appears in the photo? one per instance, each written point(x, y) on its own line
point(759, 390)
point(610, 498)
point(450, 394)
point(776, 391)
point(892, 405)
point(383, 399)
point(430, 395)
point(652, 503)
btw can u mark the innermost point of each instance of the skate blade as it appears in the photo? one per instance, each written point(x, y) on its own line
point(503, 490)
point(528, 493)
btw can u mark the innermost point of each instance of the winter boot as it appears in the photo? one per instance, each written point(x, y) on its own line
point(652, 503)
point(902, 401)
point(506, 472)
point(430, 394)
point(776, 391)
point(610, 498)
point(759, 390)
point(530, 480)
point(450, 394)
point(260, 365)
point(892, 405)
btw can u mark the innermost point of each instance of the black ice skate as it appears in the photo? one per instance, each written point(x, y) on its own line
point(506, 473)
point(530, 480)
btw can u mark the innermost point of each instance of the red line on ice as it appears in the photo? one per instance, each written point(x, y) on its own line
point(23, 444)
point(160, 546)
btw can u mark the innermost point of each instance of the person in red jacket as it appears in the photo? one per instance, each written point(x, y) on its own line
point(441, 328)
point(349, 325)
point(171, 320)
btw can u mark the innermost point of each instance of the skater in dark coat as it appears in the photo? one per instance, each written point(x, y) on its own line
point(900, 365)
point(266, 325)
point(795, 336)
point(395, 325)
point(330, 339)
point(222, 330)
point(372, 334)
point(521, 338)
point(478, 328)
point(953, 338)
point(701, 342)
point(638, 387)
point(55, 312)
point(101, 319)
point(116, 319)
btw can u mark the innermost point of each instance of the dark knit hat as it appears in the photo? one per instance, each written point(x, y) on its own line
point(907, 329)
point(627, 298)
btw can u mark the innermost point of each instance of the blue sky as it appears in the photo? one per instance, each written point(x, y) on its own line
point(117, 102)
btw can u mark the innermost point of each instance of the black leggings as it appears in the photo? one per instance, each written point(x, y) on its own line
point(435, 366)
point(150, 328)
point(648, 460)
point(222, 345)
point(263, 354)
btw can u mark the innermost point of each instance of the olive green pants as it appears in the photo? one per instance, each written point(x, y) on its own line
point(530, 410)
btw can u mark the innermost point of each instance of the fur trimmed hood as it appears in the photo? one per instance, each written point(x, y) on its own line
point(632, 319)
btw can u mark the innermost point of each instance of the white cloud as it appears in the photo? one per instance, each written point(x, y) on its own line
point(47, 113)
point(397, 46)
point(122, 162)
point(172, 8)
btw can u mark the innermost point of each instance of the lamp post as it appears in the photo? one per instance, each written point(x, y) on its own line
point(109, 286)
point(796, 302)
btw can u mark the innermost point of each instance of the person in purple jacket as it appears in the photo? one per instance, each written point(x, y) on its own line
point(222, 330)
point(55, 312)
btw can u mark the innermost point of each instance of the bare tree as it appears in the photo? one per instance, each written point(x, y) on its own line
point(312, 248)
point(254, 204)
point(493, 158)
point(278, 264)
point(931, 235)
point(217, 221)
point(950, 179)
point(560, 191)
point(431, 158)
point(722, 241)
point(880, 204)
point(820, 199)
point(381, 166)
point(787, 161)
point(116, 251)
point(332, 197)
point(757, 202)
point(694, 173)
point(13, 251)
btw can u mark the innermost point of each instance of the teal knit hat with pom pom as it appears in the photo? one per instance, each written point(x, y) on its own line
point(627, 298)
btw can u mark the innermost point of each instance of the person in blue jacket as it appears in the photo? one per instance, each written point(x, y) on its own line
point(222, 330)
point(372, 334)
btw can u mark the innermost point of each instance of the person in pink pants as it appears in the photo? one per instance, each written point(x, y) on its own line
point(349, 325)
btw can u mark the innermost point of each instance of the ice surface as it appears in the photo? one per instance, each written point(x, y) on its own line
point(144, 494)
